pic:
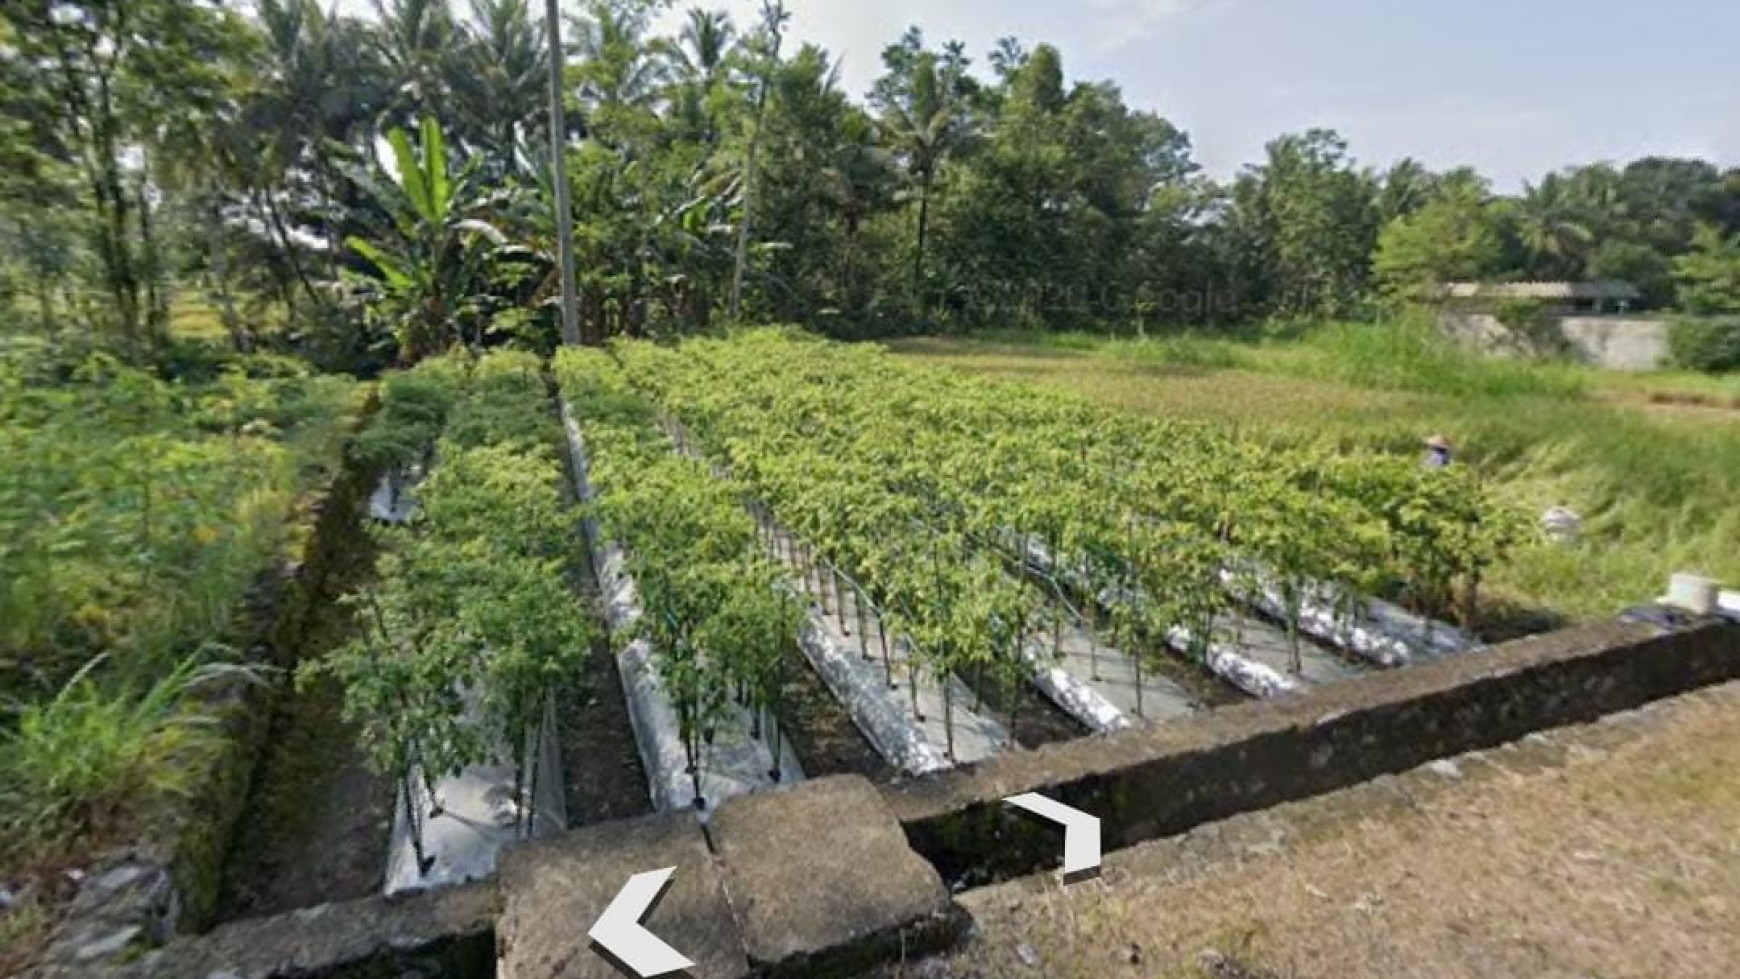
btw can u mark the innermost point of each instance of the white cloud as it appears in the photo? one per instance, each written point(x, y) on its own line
point(1121, 22)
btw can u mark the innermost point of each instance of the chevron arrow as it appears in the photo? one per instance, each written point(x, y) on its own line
point(618, 930)
point(1081, 834)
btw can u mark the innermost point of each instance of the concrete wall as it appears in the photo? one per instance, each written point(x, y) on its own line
point(1154, 783)
point(1143, 785)
point(1626, 343)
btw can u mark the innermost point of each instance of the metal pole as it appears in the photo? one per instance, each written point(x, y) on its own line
point(559, 174)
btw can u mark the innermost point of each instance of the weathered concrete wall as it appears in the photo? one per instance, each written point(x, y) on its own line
point(169, 882)
point(817, 880)
point(1620, 343)
point(1158, 782)
point(1626, 343)
point(445, 934)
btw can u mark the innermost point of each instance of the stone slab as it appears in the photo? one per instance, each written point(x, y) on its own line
point(554, 890)
point(435, 933)
point(823, 882)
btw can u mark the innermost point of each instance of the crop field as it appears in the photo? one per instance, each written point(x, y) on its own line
point(651, 577)
point(1650, 461)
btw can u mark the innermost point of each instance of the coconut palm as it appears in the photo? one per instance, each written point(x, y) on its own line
point(923, 123)
point(1552, 230)
point(500, 79)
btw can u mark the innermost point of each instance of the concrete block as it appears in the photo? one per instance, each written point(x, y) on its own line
point(553, 891)
point(823, 882)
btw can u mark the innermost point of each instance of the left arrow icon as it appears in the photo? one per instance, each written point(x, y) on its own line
point(618, 930)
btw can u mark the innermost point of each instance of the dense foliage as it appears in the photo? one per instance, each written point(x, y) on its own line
point(135, 515)
point(719, 625)
point(381, 185)
point(930, 488)
point(472, 620)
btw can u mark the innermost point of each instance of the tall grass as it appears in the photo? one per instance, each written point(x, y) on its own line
point(80, 765)
point(1411, 355)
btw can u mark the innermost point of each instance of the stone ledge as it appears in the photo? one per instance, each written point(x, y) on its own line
point(823, 882)
point(554, 890)
point(1162, 781)
point(445, 934)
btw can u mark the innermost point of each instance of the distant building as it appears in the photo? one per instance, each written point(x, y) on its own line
point(1561, 298)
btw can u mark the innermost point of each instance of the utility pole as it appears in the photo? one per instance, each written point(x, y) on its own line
point(559, 166)
point(773, 18)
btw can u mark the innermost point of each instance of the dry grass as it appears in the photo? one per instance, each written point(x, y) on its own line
point(1610, 851)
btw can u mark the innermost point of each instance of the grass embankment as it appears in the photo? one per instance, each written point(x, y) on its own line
point(139, 503)
point(1658, 484)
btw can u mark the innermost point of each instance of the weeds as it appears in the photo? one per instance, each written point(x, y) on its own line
point(81, 765)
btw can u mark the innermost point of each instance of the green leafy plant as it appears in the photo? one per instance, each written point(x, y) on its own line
point(98, 754)
point(432, 261)
point(1709, 344)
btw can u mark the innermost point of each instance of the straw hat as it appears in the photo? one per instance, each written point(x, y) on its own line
point(1439, 442)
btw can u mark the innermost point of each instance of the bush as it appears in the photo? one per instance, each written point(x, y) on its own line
point(1535, 327)
point(1708, 345)
point(80, 765)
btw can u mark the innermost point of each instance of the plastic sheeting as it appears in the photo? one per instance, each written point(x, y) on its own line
point(477, 815)
point(394, 499)
point(734, 763)
point(884, 712)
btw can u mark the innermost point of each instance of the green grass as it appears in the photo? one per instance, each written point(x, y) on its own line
point(1656, 484)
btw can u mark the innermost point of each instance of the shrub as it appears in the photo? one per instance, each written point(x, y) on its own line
point(1709, 345)
point(81, 764)
point(1535, 327)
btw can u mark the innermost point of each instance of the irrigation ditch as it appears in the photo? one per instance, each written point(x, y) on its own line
point(876, 766)
point(837, 875)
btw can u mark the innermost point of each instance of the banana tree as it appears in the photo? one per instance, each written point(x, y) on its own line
point(432, 260)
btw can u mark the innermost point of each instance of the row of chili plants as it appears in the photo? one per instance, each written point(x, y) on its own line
point(472, 600)
point(950, 600)
point(713, 611)
point(1179, 524)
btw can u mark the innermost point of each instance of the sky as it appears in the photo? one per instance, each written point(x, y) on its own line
point(1514, 87)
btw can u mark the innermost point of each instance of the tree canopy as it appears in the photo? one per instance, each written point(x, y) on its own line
point(154, 149)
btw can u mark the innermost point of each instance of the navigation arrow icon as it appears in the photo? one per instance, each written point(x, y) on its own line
point(1081, 834)
point(618, 932)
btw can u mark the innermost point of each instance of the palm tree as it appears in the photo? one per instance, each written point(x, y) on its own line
point(417, 41)
point(1551, 229)
point(705, 40)
point(501, 77)
point(619, 66)
point(774, 18)
point(923, 123)
point(699, 57)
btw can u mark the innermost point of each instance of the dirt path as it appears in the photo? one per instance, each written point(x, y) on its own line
point(316, 829)
point(1611, 850)
point(601, 762)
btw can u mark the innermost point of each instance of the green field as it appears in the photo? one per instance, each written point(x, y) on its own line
point(1651, 462)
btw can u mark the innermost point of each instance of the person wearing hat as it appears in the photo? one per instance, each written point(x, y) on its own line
point(1438, 452)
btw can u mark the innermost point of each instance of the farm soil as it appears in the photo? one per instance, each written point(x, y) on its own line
point(316, 827)
point(600, 760)
point(822, 731)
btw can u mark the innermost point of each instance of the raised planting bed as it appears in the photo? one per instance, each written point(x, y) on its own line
point(918, 726)
point(471, 623)
point(690, 762)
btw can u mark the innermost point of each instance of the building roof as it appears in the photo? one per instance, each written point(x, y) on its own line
point(1605, 290)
